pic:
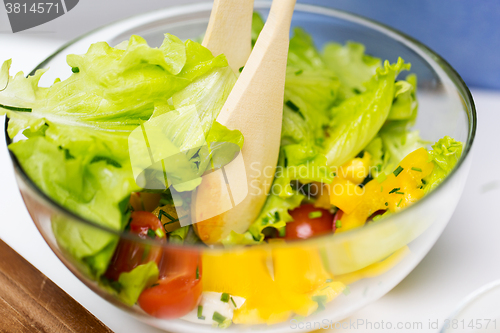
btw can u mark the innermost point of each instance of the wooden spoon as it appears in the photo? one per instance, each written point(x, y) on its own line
point(230, 31)
point(255, 107)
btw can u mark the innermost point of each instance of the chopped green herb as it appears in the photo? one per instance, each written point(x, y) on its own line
point(292, 106)
point(300, 71)
point(224, 297)
point(329, 280)
point(108, 160)
point(417, 169)
point(387, 204)
point(75, 69)
point(159, 233)
point(400, 192)
point(200, 312)
point(394, 190)
point(197, 272)
point(13, 108)
point(151, 233)
point(398, 171)
point(424, 182)
point(241, 69)
point(399, 203)
point(218, 317)
point(315, 215)
point(347, 290)
point(282, 231)
point(321, 307)
point(319, 298)
point(338, 224)
point(234, 303)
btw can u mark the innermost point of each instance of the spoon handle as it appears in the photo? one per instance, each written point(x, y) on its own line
point(229, 31)
point(254, 107)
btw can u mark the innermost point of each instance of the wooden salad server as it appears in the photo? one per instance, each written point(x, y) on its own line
point(229, 31)
point(232, 199)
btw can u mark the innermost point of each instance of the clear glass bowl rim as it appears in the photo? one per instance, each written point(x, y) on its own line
point(458, 82)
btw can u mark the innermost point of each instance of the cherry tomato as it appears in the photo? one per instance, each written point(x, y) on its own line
point(306, 225)
point(129, 254)
point(179, 288)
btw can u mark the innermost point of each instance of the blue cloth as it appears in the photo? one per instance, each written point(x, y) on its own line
point(465, 33)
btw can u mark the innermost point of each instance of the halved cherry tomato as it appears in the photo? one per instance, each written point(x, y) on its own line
point(130, 254)
point(179, 288)
point(304, 225)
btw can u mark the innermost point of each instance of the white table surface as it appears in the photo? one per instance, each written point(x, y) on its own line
point(465, 257)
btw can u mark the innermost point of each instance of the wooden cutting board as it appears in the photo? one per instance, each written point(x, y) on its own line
point(30, 302)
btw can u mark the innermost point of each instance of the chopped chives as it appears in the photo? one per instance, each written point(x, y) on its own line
point(197, 272)
point(300, 71)
point(424, 182)
point(338, 224)
point(75, 69)
point(394, 190)
point(234, 303)
point(218, 317)
point(292, 106)
point(398, 171)
point(400, 192)
point(417, 169)
point(159, 233)
point(315, 215)
point(319, 298)
point(241, 69)
point(200, 312)
point(321, 307)
point(329, 280)
point(387, 204)
point(224, 297)
point(151, 233)
point(399, 203)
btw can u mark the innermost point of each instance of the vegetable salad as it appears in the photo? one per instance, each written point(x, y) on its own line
point(348, 157)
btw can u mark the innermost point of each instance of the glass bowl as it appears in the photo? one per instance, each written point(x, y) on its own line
point(370, 260)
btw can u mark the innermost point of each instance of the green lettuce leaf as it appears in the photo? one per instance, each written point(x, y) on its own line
point(405, 104)
point(445, 154)
point(135, 281)
point(357, 120)
point(77, 130)
point(257, 26)
point(93, 188)
point(131, 284)
point(351, 65)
